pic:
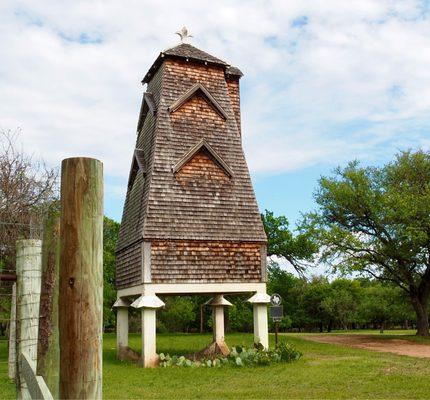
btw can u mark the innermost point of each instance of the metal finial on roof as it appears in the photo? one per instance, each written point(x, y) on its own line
point(183, 34)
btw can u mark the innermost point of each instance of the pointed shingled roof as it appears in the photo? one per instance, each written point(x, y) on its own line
point(188, 52)
point(185, 50)
point(157, 207)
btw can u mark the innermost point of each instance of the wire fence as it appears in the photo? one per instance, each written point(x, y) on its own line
point(10, 232)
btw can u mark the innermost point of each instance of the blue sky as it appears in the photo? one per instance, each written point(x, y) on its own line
point(325, 82)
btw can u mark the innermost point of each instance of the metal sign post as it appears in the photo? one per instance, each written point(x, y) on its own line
point(276, 313)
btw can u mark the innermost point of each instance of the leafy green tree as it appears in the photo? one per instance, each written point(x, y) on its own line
point(290, 288)
point(401, 308)
point(110, 237)
point(281, 241)
point(341, 301)
point(240, 315)
point(376, 221)
point(377, 304)
point(384, 303)
point(315, 293)
point(284, 283)
point(179, 313)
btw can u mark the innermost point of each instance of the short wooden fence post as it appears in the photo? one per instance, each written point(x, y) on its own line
point(48, 350)
point(28, 268)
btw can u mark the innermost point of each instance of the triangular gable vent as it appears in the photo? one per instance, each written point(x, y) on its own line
point(198, 88)
point(195, 149)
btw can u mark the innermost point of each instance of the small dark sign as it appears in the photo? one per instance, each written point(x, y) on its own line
point(276, 313)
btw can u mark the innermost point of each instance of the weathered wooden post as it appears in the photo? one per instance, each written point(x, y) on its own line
point(48, 350)
point(28, 268)
point(81, 279)
point(12, 336)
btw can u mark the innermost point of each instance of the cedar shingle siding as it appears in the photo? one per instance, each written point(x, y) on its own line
point(128, 267)
point(203, 224)
point(193, 261)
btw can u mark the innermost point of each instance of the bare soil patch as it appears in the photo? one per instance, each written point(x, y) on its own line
point(371, 342)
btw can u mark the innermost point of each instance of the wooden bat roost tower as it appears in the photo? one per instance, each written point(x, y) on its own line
point(191, 223)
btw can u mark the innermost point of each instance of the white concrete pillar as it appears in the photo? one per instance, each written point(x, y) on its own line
point(218, 323)
point(149, 350)
point(261, 329)
point(218, 303)
point(29, 272)
point(12, 335)
point(121, 306)
point(122, 327)
point(148, 305)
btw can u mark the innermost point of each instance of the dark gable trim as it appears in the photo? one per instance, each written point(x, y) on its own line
point(198, 88)
point(195, 149)
point(137, 164)
point(148, 104)
point(140, 158)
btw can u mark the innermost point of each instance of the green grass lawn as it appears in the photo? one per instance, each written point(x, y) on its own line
point(7, 387)
point(325, 371)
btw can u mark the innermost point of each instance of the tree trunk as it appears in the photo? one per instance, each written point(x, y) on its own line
point(421, 308)
point(201, 319)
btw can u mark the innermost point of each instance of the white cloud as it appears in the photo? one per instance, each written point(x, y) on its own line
point(325, 81)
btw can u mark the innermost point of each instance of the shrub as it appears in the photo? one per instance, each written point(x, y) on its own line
point(178, 314)
point(287, 352)
point(239, 356)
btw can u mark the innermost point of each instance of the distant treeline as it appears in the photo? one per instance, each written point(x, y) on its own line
point(319, 305)
point(310, 305)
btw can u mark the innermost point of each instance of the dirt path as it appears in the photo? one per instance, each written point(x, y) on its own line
point(371, 342)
